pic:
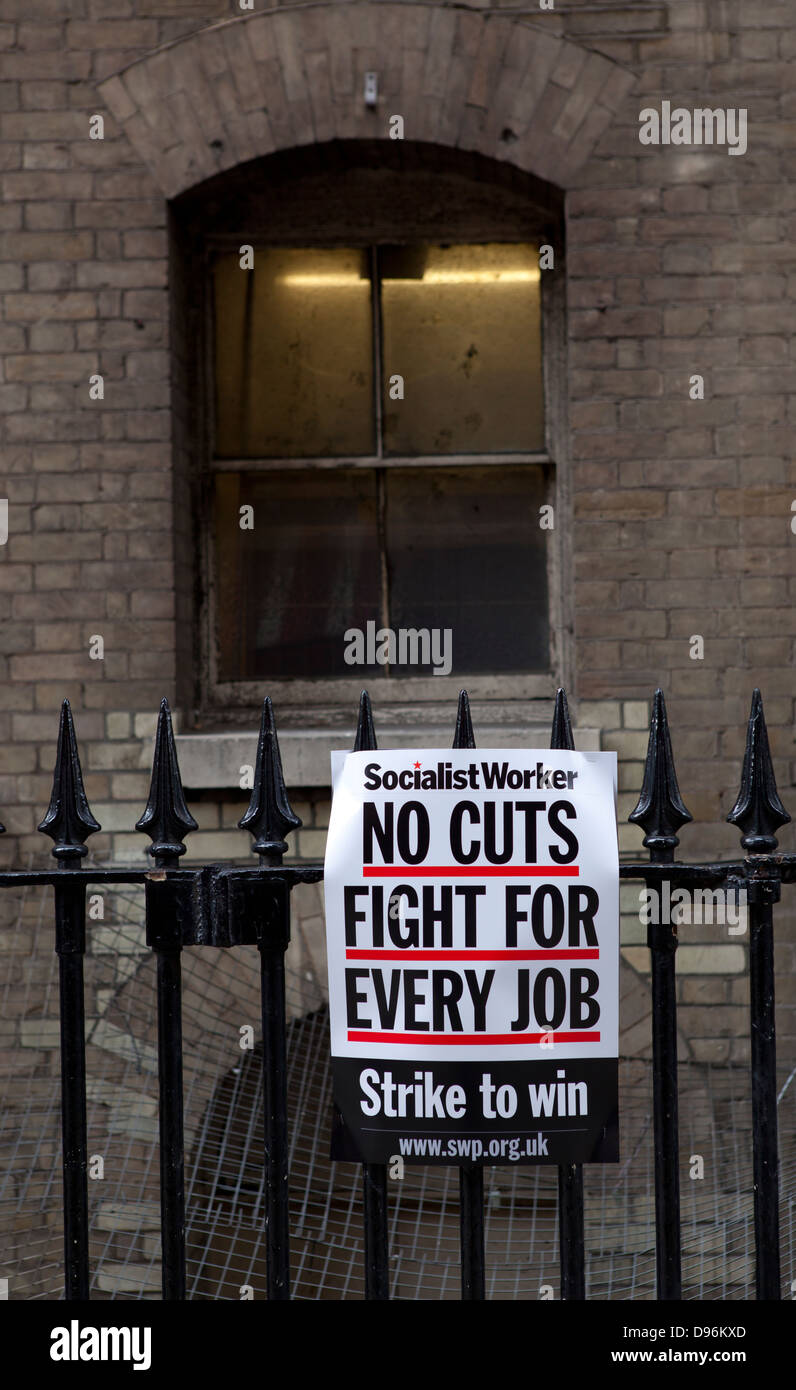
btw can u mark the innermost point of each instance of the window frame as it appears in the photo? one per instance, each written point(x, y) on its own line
point(324, 700)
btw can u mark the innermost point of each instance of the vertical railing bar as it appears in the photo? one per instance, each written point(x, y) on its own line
point(660, 811)
point(166, 819)
point(471, 1176)
point(69, 823)
point(70, 928)
point(662, 942)
point(471, 1228)
point(171, 1122)
point(374, 1201)
point(374, 1175)
point(269, 818)
point(764, 1099)
point(571, 1238)
point(758, 812)
point(272, 994)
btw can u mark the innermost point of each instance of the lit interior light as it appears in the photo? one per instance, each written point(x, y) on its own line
point(330, 281)
point(480, 277)
point(431, 277)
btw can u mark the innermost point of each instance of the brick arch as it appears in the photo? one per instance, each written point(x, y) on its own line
point(496, 84)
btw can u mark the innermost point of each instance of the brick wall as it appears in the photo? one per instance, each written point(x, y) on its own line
point(678, 262)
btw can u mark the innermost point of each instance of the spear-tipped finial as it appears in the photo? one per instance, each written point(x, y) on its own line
point(68, 820)
point(660, 810)
point(463, 736)
point(166, 818)
point(366, 734)
point(561, 732)
point(269, 816)
point(758, 811)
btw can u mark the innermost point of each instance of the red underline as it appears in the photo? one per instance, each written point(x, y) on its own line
point(471, 871)
point(469, 1039)
point(410, 953)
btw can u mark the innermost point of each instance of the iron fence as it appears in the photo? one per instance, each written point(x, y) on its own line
point(221, 906)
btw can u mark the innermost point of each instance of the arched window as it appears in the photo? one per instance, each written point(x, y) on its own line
point(370, 368)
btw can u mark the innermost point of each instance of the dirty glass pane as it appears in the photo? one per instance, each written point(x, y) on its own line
point(466, 552)
point(307, 571)
point(293, 354)
point(461, 325)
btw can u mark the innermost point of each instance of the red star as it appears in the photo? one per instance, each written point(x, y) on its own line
point(417, 764)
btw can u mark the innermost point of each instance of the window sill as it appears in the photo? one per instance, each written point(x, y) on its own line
point(215, 760)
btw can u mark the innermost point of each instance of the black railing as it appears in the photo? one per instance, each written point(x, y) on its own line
point(222, 906)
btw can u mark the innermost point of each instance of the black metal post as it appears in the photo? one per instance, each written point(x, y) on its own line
point(571, 1237)
point(661, 812)
point(662, 942)
point(471, 1176)
point(70, 944)
point(471, 1227)
point(374, 1175)
point(758, 812)
point(172, 1143)
point(571, 1242)
point(69, 823)
point(268, 818)
point(374, 1195)
point(764, 1091)
point(272, 986)
point(166, 819)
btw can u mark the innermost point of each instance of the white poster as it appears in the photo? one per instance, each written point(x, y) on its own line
point(472, 917)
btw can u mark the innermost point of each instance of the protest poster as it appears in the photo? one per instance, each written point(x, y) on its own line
point(472, 913)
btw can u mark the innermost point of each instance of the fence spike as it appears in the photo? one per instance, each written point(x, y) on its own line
point(166, 818)
point(68, 820)
point(366, 734)
point(463, 736)
point(758, 811)
point(660, 810)
point(561, 732)
point(269, 816)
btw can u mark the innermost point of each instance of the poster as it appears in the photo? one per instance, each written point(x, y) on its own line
point(472, 918)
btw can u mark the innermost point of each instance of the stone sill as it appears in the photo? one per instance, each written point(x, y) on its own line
point(215, 760)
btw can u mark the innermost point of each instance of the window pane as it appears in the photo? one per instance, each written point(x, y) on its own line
point(289, 588)
point(293, 354)
point(461, 325)
point(466, 552)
